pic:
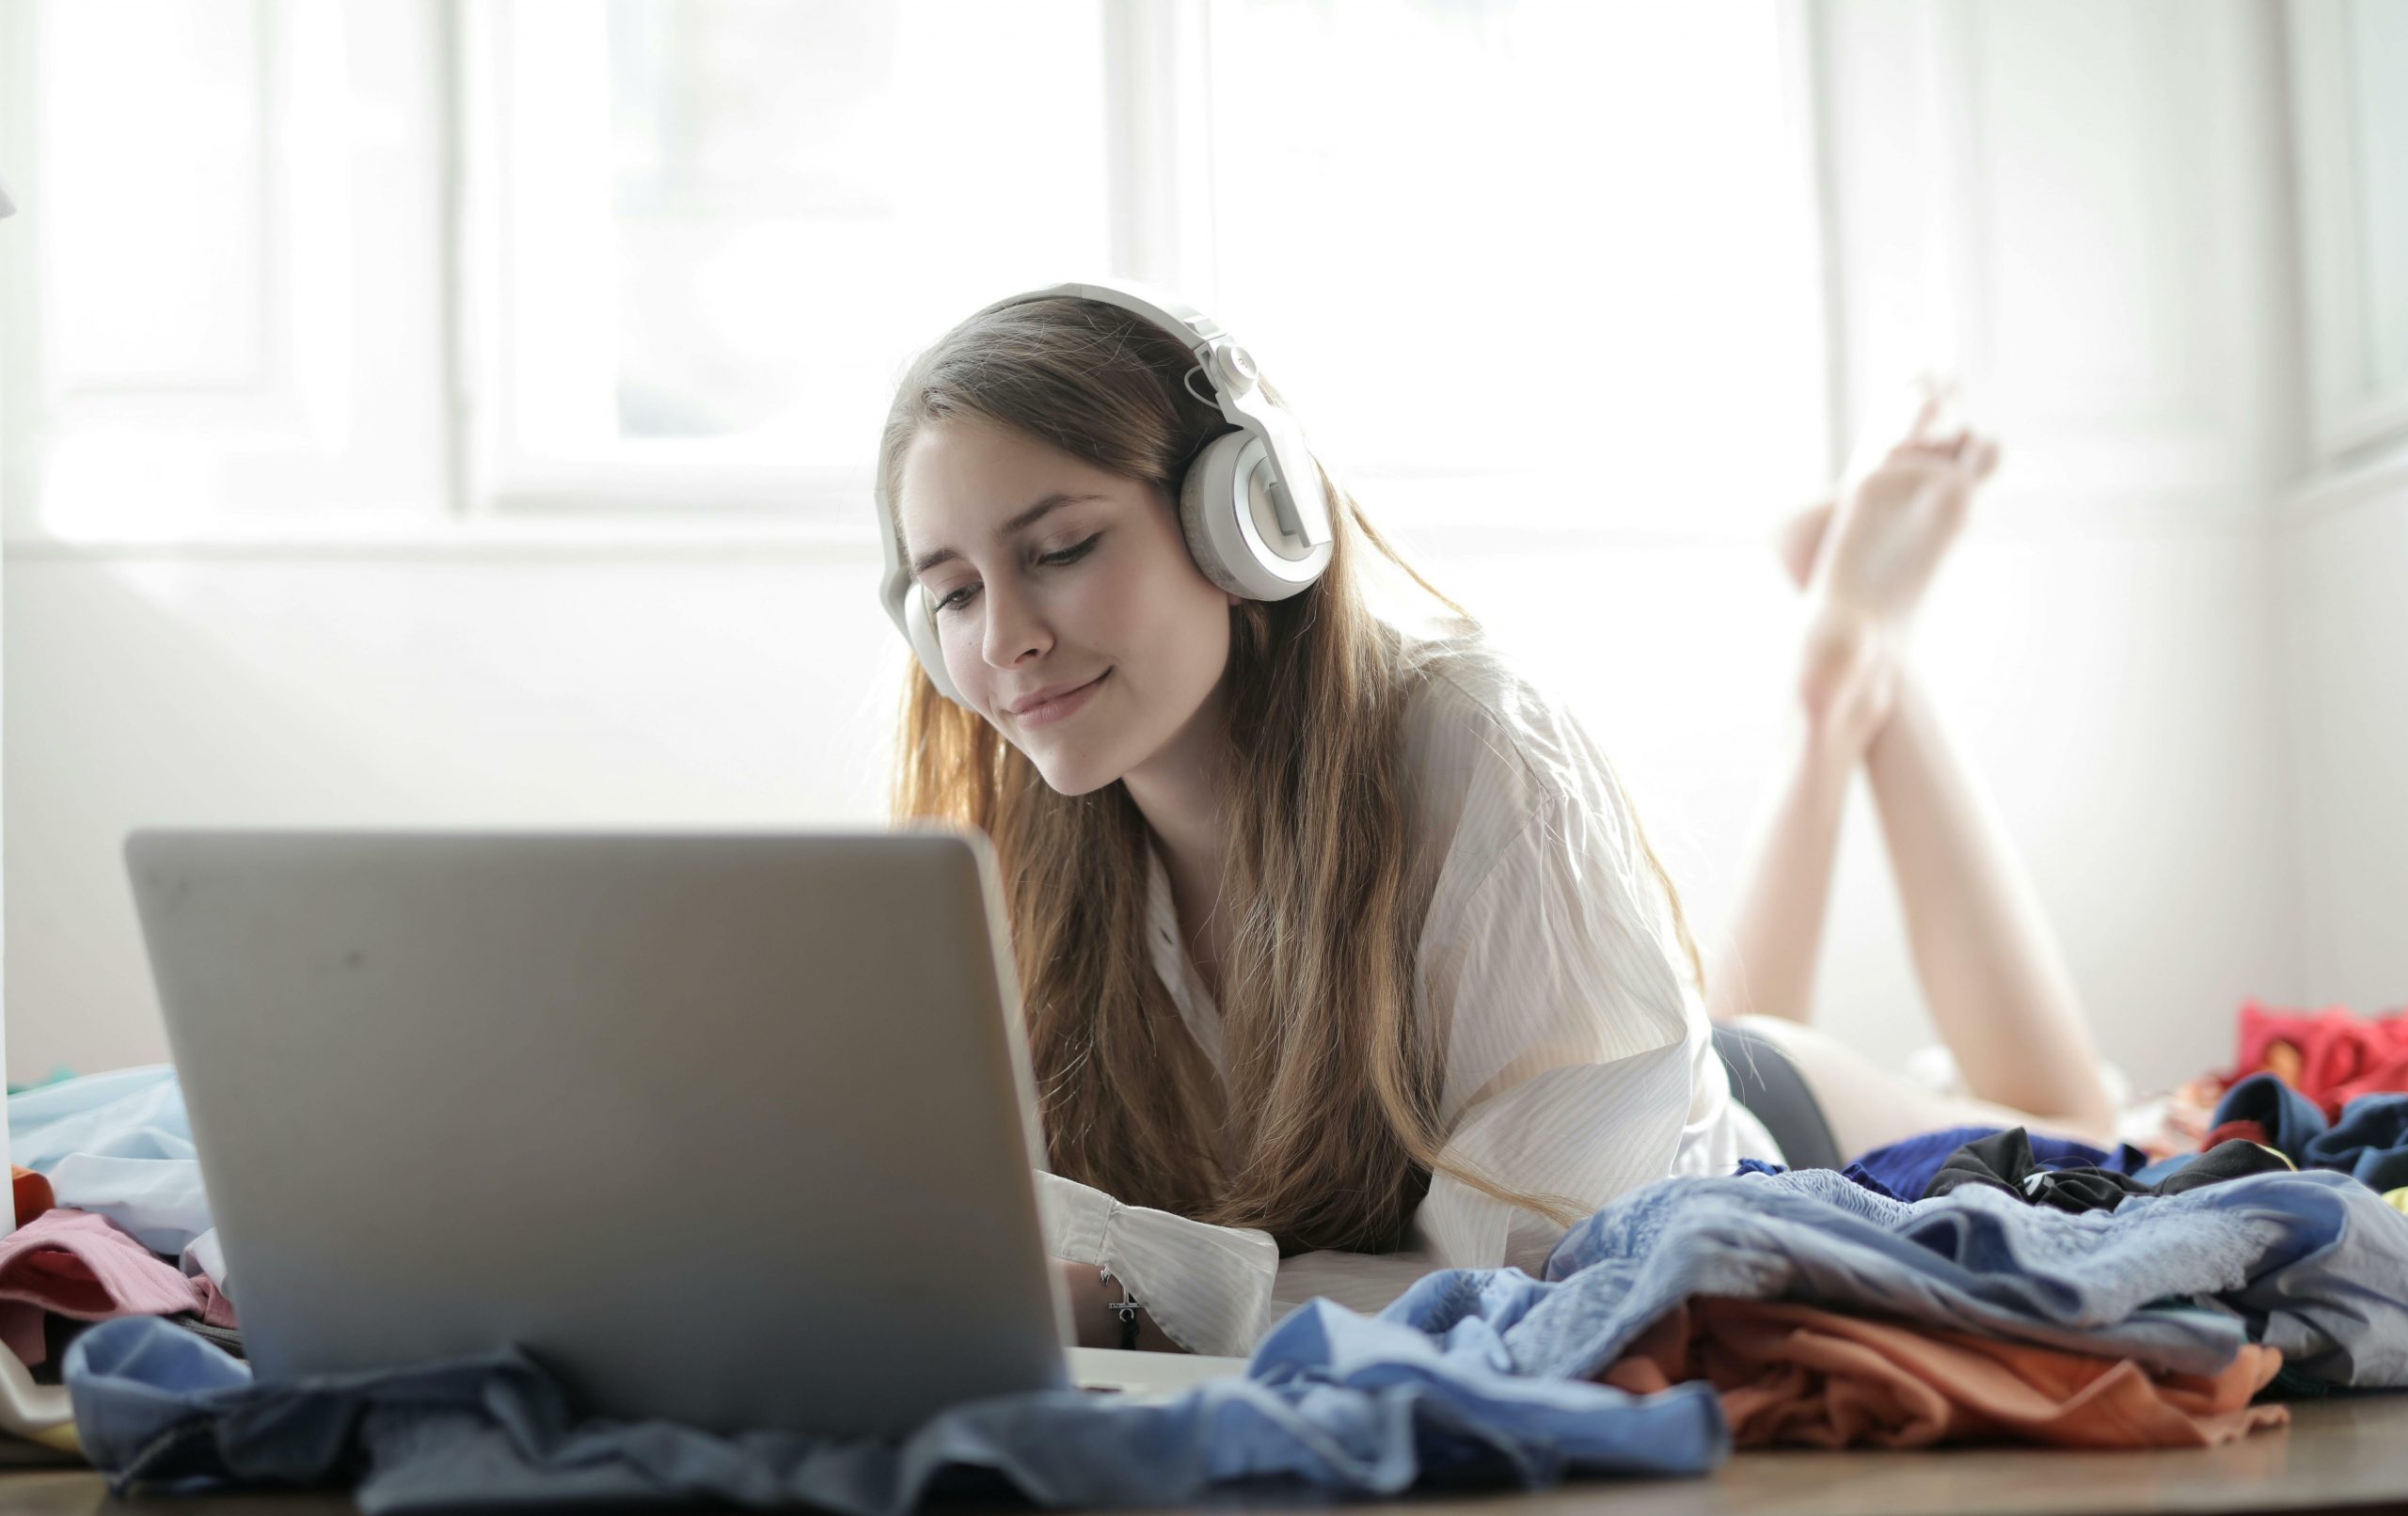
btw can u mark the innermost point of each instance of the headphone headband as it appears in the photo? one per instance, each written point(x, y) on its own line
point(1251, 502)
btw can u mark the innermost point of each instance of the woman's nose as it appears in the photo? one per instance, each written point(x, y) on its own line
point(1014, 628)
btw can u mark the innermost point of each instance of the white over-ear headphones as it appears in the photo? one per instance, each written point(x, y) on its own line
point(1250, 502)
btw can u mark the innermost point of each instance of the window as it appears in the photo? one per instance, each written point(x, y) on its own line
point(661, 260)
point(721, 227)
point(223, 281)
point(1567, 243)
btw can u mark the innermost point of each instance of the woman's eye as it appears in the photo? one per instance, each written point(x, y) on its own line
point(1072, 553)
point(1067, 556)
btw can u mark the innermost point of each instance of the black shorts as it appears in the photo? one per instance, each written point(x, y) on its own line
point(1767, 1084)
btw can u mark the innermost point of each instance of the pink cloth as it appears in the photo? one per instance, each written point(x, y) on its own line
point(80, 1264)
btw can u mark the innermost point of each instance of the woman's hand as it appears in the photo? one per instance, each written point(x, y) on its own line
point(1091, 1299)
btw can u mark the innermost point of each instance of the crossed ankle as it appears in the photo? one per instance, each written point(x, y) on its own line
point(1847, 679)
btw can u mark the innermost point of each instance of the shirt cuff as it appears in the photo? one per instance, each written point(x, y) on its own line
point(1207, 1287)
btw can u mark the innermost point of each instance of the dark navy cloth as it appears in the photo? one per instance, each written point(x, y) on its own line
point(2291, 1119)
point(1909, 1167)
point(2369, 1143)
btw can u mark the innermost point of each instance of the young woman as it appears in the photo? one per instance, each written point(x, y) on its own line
point(1342, 953)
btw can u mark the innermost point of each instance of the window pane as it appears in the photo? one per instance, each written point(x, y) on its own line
point(1567, 237)
point(793, 197)
point(156, 279)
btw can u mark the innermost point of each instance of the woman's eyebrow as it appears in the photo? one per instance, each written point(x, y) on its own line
point(1020, 523)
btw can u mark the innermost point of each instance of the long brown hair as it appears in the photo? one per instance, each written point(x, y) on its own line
point(1331, 1084)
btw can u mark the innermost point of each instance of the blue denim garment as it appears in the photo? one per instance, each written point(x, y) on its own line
point(2312, 1263)
point(1905, 1167)
point(1339, 1401)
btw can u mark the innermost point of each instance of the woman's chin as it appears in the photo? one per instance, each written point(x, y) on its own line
point(1069, 776)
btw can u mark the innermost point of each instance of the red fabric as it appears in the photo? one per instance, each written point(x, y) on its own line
point(2331, 1056)
point(2247, 1131)
point(32, 1193)
point(79, 1264)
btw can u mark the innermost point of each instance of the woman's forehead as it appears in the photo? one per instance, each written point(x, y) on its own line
point(967, 475)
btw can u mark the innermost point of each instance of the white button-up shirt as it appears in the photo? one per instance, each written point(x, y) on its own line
point(1578, 1056)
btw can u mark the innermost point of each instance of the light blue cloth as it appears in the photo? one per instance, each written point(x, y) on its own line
point(2313, 1263)
point(120, 1143)
point(1339, 1401)
point(1472, 1375)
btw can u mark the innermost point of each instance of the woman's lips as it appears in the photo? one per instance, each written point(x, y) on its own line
point(1062, 707)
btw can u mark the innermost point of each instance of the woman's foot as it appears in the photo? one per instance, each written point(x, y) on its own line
point(1864, 559)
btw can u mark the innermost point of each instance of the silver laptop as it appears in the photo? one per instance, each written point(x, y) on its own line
point(731, 1128)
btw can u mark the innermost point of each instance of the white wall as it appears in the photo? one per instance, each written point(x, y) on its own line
point(2343, 555)
point(2112, 690)
point(2090, 221)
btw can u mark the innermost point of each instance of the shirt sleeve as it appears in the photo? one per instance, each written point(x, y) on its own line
point(1207, 1287)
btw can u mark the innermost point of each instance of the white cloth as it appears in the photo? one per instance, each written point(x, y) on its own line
point(1578, 1059)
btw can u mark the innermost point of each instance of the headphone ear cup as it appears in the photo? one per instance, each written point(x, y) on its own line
point(1206, 517)
point(1225, 513)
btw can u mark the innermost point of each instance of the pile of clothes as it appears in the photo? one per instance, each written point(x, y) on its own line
point(1976, 1284)
point(112, 1222)
point(2324, 1091)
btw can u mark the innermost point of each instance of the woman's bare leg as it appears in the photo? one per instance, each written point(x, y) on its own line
point(1990, 968)
point(1766, 963)
point(1996, 983)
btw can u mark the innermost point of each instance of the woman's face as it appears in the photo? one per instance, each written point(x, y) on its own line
point(1049, 577)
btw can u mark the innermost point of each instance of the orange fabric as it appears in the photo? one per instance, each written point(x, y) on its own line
point(32, 1193)
point(1794, 1374)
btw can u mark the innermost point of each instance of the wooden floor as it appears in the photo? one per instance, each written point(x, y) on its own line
point(2336, 1455)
